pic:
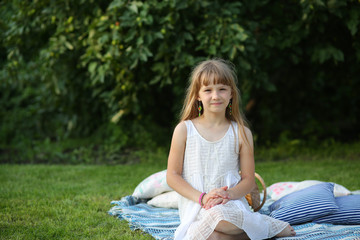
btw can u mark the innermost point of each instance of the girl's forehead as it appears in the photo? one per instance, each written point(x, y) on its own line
point(214, 85)
point(212, 78)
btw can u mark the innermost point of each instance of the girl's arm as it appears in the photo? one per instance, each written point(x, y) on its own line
point(175, 165)
point(247, 166)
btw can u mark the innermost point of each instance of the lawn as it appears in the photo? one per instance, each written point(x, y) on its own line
point(66, 202)
point(71, 201)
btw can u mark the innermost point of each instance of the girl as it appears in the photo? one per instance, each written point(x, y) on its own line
point(209, 147)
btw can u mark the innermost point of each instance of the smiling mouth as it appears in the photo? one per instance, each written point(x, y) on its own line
point(216, 103)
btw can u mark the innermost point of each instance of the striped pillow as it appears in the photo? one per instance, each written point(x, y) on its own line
point(305, 205)
point(348, 213)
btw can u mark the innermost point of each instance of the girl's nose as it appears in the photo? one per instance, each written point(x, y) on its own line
point(215, 95)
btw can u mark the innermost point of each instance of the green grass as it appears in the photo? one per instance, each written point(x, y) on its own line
point(335, 162)
point(71, 201)
point(341, 171)
point(66, 202)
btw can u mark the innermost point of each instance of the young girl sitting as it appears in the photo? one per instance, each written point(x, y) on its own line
point(209, 147)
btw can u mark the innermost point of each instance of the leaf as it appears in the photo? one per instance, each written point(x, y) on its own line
point(337, 54)
point(240, 47)
point(212, 50)
point(155, 80)
point(323, 54)
point(117, 116)
point(232, 53)
point(143, 56)
point(139, 41)
point(188, 36)
point(134, 64)
point(159, 35)
point(92, 67)
point(147, 52)
point(353, 22)
point(134, 8)
point(115, 4)
point(158, 67)
point(319, 3)
point(104, 38)
point(269, 86)
point(69, 45)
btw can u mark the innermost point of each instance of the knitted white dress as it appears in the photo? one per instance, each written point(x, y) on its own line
point(208, 165)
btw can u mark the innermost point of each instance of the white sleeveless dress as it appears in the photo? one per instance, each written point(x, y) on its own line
point(208, 165)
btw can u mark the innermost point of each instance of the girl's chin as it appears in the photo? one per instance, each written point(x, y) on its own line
point(217, 111)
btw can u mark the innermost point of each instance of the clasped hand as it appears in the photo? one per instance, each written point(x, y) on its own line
point(215, 197)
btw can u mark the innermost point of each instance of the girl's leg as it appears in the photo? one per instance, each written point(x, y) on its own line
point(228, 228)
point(221, 236)
point(227, 231)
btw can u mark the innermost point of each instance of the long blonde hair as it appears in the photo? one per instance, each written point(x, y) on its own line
point(214, 71)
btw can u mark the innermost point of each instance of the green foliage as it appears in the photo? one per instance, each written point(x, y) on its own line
point(108, 145)
point(309, 52)
point(302, 150)
point(69, 67)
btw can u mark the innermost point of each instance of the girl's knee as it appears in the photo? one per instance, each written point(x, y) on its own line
point(228, 228)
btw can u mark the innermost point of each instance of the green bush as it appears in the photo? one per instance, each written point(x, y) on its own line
point(69, 67)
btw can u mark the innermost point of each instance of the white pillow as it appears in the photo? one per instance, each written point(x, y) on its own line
point(165, 200)
point(281, 189)
point(152, 186)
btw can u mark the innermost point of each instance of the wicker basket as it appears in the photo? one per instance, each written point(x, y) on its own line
point(253, 197)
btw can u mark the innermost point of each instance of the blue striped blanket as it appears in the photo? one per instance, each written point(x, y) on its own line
point(161, 223)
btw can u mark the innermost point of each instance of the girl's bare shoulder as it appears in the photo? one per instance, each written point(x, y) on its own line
point(248, 132)
point(180, 130)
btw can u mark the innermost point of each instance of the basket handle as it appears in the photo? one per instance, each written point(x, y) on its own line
point(261, 180)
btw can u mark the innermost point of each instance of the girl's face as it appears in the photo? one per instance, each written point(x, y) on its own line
point(215, 97)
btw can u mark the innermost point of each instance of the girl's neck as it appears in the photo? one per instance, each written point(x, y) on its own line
point(213, 119)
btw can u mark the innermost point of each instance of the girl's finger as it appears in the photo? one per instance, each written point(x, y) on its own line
point(213, 202)
point(225, 201)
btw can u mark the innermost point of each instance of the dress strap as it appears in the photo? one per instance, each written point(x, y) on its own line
point(235, 134)
point(189, 127)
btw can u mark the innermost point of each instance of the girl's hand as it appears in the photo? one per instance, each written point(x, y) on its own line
point(215, 197)
point(219, 193)
point(212, 203)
